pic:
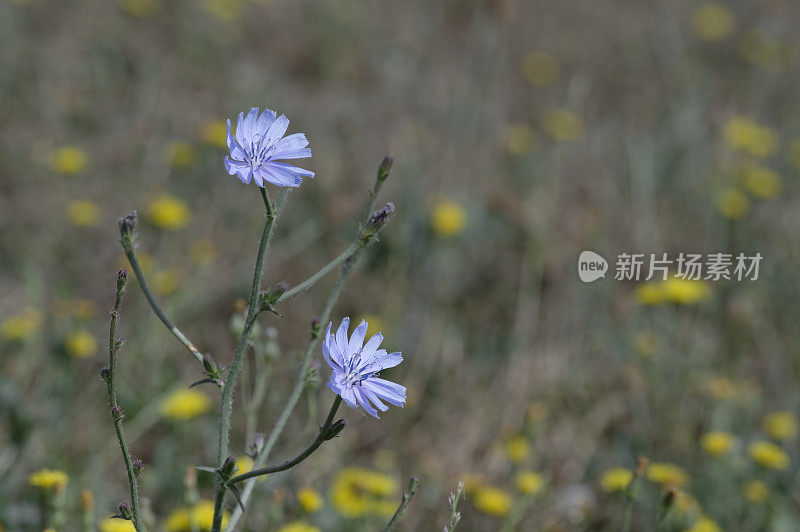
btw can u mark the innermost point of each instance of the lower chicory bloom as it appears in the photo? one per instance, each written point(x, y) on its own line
point(356, 366)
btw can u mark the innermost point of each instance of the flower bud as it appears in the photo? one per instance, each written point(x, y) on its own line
point(335, 429)
point(105, 373)
point(127, 230)
point(228, 467)
point(125, 512)
point(376, 222)
point(385, 168)
point(122, 280)
point(258, 443)
point(267, 298)
point(118, 413)
point(138, 465)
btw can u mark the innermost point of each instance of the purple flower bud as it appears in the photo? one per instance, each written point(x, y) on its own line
point(376, 222)
point(138, 465)
point(335, 429)
point(118, 413)
point(105, 373)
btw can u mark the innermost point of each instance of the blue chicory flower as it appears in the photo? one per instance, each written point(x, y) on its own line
point(356, 366)
point(258, 147)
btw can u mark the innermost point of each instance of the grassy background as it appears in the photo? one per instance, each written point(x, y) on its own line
point(501, 338)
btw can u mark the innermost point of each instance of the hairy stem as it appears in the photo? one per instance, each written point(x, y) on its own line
point(320, 439)
point(311, 281)
point(347, 267)
point(137, 269)
point(226, 401)
point(413, 483)
point(116, 411)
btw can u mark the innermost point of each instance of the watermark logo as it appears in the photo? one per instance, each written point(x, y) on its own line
point(591, 266)
point(688, 266)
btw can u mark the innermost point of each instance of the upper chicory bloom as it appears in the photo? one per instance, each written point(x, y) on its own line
point(258, 146)
point(356, 366)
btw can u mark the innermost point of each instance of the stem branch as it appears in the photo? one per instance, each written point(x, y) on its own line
point(226, 401)
point(116, 411)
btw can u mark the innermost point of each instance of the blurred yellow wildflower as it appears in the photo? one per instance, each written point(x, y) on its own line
point(22, 325)
point(529, 482)
point(69, 160)
point(704, 524)
point(49, 479)
point(375, 324)
point(310, 500)
point(203, 252)
point(493, 501)
point(764, 50)
point(357, 491)
point(616, 479)
point(215, 133)
point(115, 525)
point(673, 290)
point(794, 153)
point(755, 491)
point(298, 526)
point(564, 125)
point(83, 213)
point(472, 482)
point(80, 344)
point(87, 500)
point(519, 139)
point(179, 154)
point(224, 9)
point(198, 517)
point(712, 22)
point(733, 204)
point(667, 474)
point(769, 455)
point(539, 68)
point(165, 282)
point(140, 8)
point(168, 212)
point(448, 218)
point(781, 425)
point(743, 134)
point(243, 464)
point(761, 182)
point(687, 504)
point(717, 443)
point(184, 404)
point(517, 449)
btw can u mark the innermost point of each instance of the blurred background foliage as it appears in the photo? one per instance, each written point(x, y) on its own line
point(524, 132)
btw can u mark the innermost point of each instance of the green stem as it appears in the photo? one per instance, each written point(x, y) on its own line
point(311, 281)
point(413, 483)
point(347, 267)
point(226, 401)
point(320, 439)
point(116, 415)
point(137, 269)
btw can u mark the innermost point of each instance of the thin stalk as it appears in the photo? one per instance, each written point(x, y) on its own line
point(226, 401)
point(137, 269)
point(320, 439)
point(116, 410)
point(413, 483)
point(311, 281)
point(347, 267)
